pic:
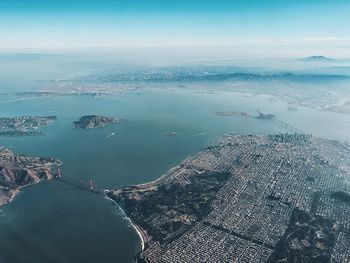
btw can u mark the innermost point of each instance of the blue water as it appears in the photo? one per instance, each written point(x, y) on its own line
point(55, 222)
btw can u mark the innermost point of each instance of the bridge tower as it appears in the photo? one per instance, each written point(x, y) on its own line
point(91, 185)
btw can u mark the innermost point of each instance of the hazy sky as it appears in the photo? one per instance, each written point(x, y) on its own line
point(322, 24)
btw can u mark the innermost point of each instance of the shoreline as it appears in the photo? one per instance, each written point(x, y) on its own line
point(139, 231)
point(164, 177)
point(143, 237)
point(17, 191)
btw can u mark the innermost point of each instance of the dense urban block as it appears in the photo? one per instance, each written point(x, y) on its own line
point(251, 198)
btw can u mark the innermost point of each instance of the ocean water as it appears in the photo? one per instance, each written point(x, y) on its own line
point(56, 222)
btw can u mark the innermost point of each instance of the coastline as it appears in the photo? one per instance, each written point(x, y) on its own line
point(16, 191)
point(140, 232)
point(164, 177)
point(143, 237)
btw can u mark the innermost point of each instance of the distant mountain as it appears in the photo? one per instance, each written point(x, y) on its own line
point(317, 59)
point(194, 76)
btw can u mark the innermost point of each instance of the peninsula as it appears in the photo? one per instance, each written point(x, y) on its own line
point(24, 125)
point(19, 171)
point(250, 198)
point(95, 121)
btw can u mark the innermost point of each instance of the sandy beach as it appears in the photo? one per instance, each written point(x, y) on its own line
point(140, 232)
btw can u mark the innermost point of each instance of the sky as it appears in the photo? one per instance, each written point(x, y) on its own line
point(322, 25)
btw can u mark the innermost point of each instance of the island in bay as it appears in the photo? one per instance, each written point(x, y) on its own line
point(24, 125)
point(95, 121)
point(18, 171)
point(250, 198)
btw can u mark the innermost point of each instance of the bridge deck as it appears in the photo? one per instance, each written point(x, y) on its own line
point(82, 185)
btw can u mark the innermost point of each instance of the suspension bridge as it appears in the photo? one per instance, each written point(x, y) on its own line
point(287, 126)
point(85, 186)
point(280, 122)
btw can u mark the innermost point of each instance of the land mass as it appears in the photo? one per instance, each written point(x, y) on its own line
point(250, 198)
point(20, 171)
point(24, 125)
point(317, 59)
point(95, 121)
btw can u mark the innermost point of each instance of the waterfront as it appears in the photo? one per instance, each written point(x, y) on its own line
point(254, 184)
point(66, 221)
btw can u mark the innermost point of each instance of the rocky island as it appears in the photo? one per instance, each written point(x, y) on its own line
point(20, 171)
point(232, 113)
point(265, 116)
point(24, 125)
point(95, 121)
point(250, 198)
